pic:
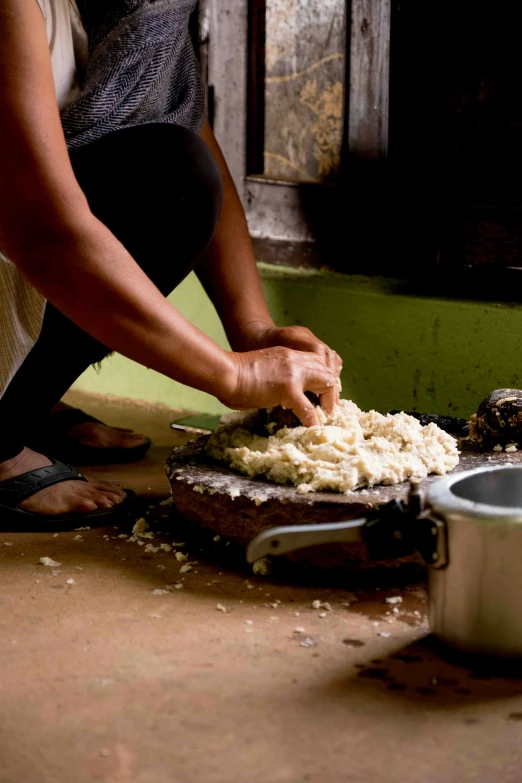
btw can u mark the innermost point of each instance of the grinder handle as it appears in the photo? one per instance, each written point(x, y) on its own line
point(280, 540)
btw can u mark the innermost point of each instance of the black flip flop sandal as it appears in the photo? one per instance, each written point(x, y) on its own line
point(13, 491)
point(51, 438)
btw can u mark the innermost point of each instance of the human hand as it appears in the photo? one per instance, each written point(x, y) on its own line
point(280, 376)
point(258, 335)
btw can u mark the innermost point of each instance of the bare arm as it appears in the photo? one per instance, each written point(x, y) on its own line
point(49, 232)
point(229, 271)
point(230, 277)
point(47, 229)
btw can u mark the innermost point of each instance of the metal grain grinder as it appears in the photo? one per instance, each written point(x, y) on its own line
point(468, 529)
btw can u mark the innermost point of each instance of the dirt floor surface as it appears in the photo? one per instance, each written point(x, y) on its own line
point(121, 664)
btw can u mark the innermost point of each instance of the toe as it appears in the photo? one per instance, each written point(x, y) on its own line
point(114, 499)
point(128, 440)
point(110, 490)
point(104, 495)
point(102, 501)
point(84, 504)
point(96, 435)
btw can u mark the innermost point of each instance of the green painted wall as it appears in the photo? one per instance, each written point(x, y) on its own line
point(399, 350)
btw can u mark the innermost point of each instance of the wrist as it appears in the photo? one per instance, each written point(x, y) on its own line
point(224, 378)
point(253, 334)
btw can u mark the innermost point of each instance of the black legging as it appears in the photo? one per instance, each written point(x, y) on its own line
point(159, 190)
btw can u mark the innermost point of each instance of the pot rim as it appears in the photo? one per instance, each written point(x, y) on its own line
point(441, 499)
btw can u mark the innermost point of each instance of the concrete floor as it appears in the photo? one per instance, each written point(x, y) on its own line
point(103, 680)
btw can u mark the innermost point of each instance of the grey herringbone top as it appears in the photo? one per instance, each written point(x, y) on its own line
point(141, 68)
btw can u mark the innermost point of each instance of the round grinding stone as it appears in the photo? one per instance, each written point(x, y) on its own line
point(211, 495)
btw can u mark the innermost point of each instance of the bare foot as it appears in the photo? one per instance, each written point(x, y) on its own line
point(100, 436)
point(64, 498)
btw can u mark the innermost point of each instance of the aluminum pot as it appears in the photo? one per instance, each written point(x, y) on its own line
point(468, 529)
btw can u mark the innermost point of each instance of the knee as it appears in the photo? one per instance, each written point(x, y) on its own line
point(155, 175)
point(158, 188)
point(192, 177)
point(204, 185)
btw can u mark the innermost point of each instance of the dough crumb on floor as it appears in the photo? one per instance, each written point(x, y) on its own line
point(348, 450)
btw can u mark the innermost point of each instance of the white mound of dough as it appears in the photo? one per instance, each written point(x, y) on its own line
point(350, 449)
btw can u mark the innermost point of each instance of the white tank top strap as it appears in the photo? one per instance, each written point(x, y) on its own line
point(68, 46)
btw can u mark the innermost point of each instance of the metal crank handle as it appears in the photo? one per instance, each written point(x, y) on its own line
point(280, 540)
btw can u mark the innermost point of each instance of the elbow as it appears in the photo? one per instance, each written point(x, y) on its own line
point(33, 234)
